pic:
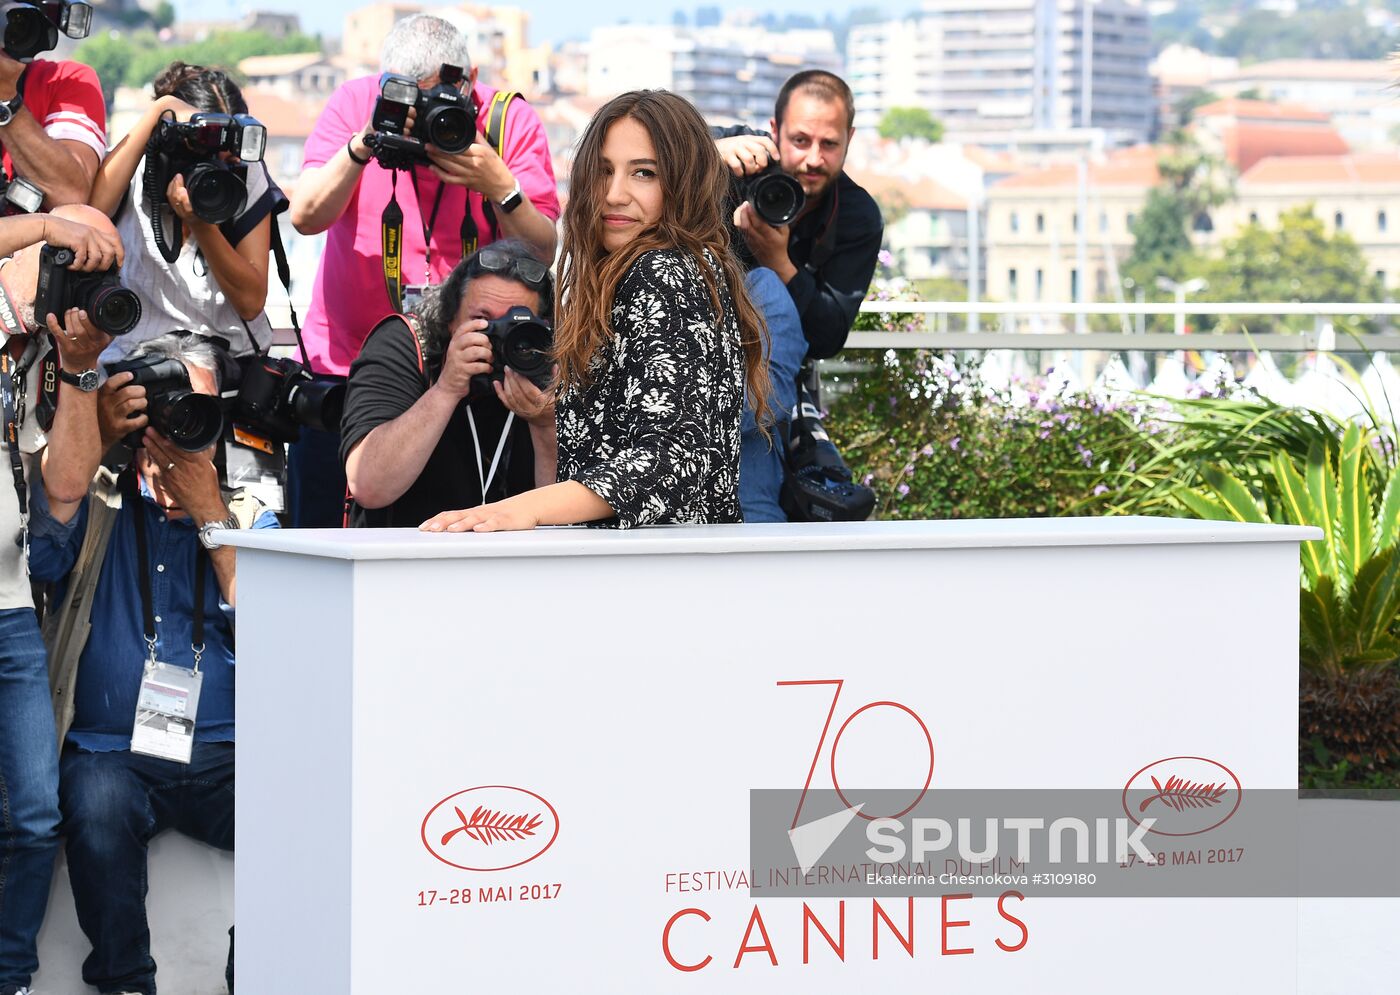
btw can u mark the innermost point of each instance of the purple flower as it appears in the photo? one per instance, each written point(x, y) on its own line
point(926, 451)
point(903, 490)
point(867, 479)
point(885, 258)
point(1100, 489)
point(953, 444)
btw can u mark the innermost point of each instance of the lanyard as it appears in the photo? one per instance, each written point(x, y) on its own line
point(496, 459)
point(12, 374)
point(132, 494)
point(391, 236)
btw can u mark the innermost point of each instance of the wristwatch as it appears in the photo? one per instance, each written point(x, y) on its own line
point(207, 530)
point(84, 380)
point(9, 108)
point(512, 200)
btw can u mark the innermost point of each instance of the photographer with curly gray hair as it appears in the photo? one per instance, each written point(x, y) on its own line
point(435, 416)
point(449, 204)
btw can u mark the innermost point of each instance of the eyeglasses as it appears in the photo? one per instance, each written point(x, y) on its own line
point(530, 272)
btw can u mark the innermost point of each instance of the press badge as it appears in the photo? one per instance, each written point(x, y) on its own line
point(165, 712)
point(412, 294)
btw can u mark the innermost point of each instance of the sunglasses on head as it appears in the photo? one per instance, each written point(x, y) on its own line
point(530, 272)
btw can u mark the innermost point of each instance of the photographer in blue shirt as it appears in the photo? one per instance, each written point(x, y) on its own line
point(141, 649)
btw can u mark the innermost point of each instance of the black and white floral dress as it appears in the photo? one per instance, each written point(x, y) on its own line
point(655, 433)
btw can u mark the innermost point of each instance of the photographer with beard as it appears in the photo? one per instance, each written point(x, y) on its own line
point(423, 429)
point(825, 258)
point(38, 355)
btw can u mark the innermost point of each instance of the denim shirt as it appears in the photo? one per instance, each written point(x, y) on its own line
point(110, 669)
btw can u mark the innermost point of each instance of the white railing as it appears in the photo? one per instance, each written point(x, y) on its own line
point(1133, 337)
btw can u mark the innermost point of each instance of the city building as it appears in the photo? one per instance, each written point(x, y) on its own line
point(1357, 95)
point(730, 71)
point(296, 76)
point(926, 227)
point(1357, 194)
point(1006, 66)
point(1034, 220)
point(1242, 132)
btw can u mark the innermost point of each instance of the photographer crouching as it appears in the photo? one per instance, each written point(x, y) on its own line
point(811, 237)
point(448, 407)
point(407, 173)
point(141, 645)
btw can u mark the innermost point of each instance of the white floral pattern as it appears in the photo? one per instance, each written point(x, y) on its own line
point(655, 433)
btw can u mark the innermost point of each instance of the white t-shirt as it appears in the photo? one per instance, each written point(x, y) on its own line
point(186, 294)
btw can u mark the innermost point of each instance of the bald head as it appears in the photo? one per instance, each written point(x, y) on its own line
point(85, 215)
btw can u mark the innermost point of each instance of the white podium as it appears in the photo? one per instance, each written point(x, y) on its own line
point(474, 761)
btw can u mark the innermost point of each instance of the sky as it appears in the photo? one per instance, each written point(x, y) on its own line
point(551, 20)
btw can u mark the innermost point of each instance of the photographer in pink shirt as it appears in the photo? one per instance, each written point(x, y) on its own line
point(344, 191)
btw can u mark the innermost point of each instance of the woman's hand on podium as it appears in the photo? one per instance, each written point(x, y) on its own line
point(511, 515)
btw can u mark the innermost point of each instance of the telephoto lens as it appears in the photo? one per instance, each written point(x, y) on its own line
point(192, 421)
point(776, 197)
point(216, 194)
point(449, 128)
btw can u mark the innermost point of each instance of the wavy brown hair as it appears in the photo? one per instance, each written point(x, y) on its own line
point(695, 186)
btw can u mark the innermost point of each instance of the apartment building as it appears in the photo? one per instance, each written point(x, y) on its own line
point(1007, 66)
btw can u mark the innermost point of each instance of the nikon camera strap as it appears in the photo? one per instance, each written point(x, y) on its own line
point(391, 221)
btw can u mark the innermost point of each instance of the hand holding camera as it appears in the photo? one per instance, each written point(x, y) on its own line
point(121, 408)
point(468, 355)
point(99, 294)
point(90, 249)
point(79, 341)
point(407, 120)
point(208, 155)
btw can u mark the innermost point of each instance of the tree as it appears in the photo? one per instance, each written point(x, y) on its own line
point(164, 15)
point(1186, 106)
point(1298, 261)
point(1161, 246)
point(910, 122)
point(135, 58)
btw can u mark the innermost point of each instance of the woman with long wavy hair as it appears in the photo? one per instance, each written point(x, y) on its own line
point(656, 338)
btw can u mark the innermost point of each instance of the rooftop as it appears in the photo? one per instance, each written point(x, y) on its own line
point(1259, 110)
point(1367, 168)
point(1130, 167)
point(278, 65)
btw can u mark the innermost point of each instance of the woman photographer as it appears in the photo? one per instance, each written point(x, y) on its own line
point(655, 339)
point(217, 285)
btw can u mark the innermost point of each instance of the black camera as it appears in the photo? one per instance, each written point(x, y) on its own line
point(775, 196)
point(191, 420)
point(110, 306)
point(275, 397)
point(19, 196)
point(445, 118)
point(817, 486)
point(521, 342)
point(218, 190)
point(31, 28)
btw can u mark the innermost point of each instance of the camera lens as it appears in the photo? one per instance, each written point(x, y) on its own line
point(216, 195)
point(28, 32)
point(191, 421)
point(318, 404)
point(450, 128)
point(777, 197)
point(115, 310)
point(527, 349)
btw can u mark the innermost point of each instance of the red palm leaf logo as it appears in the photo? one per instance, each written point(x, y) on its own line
point(1181, 794)
point(487, 826)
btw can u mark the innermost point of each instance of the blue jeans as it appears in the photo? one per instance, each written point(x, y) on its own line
point(28, 793)
point(315, 481)
point(113, 804)
point(760, 459)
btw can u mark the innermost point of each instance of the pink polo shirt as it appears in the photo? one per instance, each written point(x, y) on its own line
point(350, 297)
